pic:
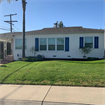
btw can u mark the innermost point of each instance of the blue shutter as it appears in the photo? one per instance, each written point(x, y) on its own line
point(36, 44)
point(66, 43)
point(96, 42)
point(81, 42)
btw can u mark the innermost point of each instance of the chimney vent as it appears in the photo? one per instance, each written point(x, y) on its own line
point(55, 25)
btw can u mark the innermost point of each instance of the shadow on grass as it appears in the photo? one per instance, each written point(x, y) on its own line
point(12, 73)
point(79, 61)
point(3, 66)
point(84, 62)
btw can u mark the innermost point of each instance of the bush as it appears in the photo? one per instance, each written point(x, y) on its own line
point(40, 57)
point(92, 58)
point(31, 59)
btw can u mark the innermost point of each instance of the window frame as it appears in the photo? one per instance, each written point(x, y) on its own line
point(21, 48)
point(57, 44)
point(87, 37)
point(46, 44)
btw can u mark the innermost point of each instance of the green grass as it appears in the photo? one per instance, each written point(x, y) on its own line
point(55, 72)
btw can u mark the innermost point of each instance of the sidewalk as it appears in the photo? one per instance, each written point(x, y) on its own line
point(50, 95)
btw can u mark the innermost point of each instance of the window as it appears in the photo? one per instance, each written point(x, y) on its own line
point(18, 44)
point(43, 44)
point(51, 44)
point(60, 44)
point(88, 41)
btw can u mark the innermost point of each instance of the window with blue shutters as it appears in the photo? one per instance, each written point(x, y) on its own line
point(89, 42)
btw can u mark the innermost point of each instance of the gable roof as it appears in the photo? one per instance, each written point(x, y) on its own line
point(62, 30)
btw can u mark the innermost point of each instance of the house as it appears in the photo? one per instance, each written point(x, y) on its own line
point(61, 43)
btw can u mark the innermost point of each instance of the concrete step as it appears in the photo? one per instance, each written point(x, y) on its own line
point(9, 58)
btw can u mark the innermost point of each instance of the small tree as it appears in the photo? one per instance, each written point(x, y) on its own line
point(33, 50)
point(60, 24)
point(85, 50)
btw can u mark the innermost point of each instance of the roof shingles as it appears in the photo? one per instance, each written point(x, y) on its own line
point(61, 31)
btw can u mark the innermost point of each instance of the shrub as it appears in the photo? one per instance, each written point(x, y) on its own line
point(92, 58)
point(85, 50)
point(33, 50)
point(40, 57)
point(31, 59)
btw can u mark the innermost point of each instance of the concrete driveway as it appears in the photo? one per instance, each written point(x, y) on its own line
point(50, 95)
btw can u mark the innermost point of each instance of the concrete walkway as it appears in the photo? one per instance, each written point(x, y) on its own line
point(50, 95)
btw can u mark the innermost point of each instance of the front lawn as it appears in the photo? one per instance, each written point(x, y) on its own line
point(55, 72)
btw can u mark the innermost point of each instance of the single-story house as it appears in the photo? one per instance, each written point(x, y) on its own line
point(59, 43)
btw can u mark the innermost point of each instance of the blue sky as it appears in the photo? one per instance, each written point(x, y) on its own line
point(44, 13)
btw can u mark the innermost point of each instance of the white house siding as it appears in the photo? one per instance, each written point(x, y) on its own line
point(73, 46)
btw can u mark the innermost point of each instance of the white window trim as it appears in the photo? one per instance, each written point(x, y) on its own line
point(88, 36)
point(15, 44)
point(56, 45)
point(46, 44)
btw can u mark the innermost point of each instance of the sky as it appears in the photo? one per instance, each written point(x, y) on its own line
point(44, 13)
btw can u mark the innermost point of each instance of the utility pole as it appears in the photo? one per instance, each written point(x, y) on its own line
point(10, 22)
point(24, 8)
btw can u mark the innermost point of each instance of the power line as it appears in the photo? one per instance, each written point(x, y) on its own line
point(28, 20)
point(16, 28)
point(10, 22)
point(3, 29)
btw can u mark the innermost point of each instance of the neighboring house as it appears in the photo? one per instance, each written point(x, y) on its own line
point(58, 42)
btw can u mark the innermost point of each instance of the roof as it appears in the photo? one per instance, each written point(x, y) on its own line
point(62, 30)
